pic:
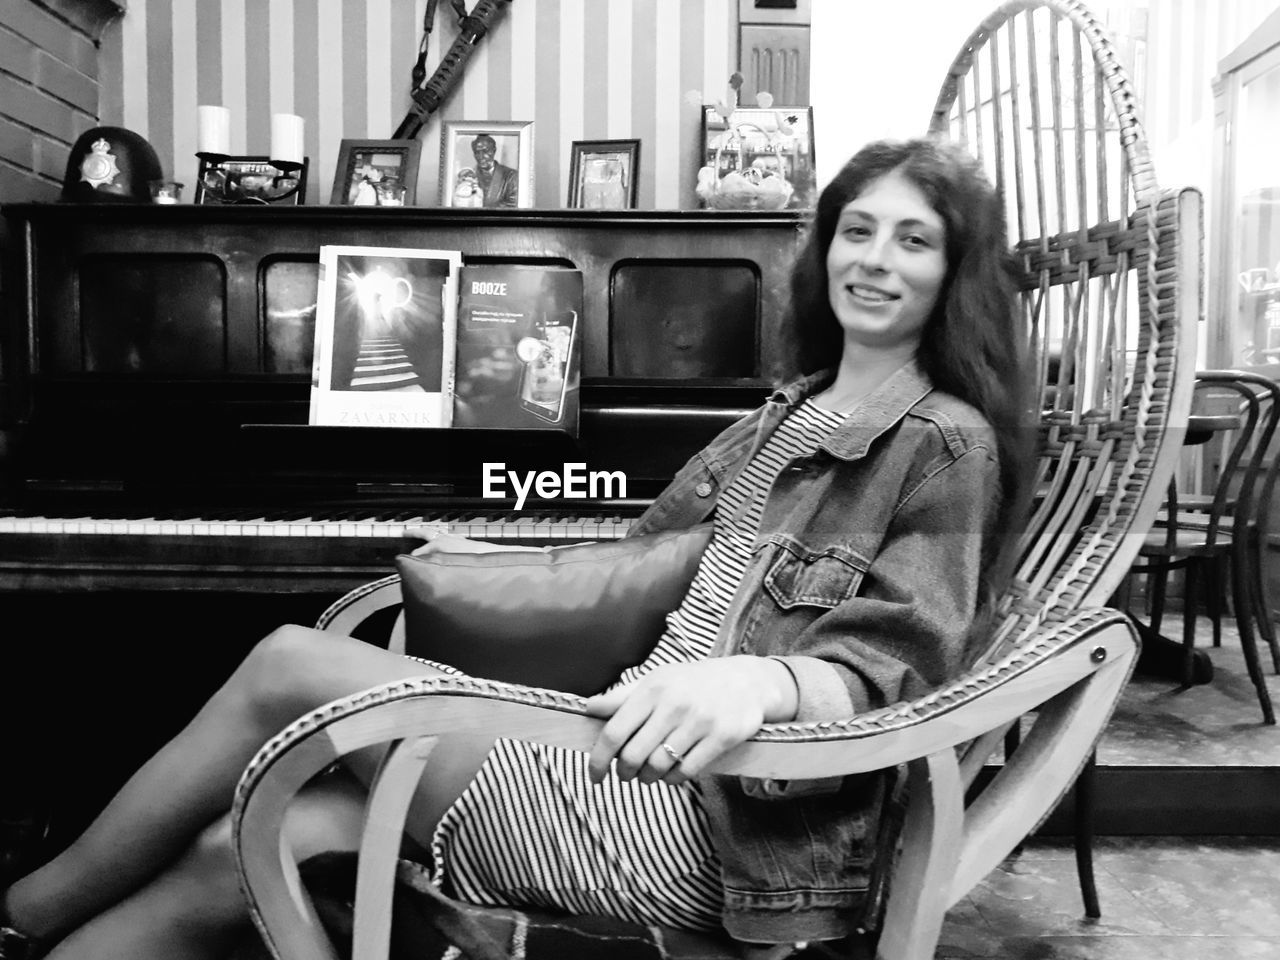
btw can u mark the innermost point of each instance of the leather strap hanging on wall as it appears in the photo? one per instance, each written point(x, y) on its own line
point(428, 96)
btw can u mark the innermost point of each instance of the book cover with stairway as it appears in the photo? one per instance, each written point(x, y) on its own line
point(386, 320)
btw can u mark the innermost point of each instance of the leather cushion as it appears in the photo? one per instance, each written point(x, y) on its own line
point(571, 618)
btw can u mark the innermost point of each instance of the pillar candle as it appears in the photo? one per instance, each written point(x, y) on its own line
point(286, 137)
point(214, 130)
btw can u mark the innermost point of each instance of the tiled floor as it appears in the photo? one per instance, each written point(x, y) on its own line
point(1163, 898)
point(1214, 724)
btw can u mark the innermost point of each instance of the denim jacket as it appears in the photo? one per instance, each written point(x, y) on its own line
point(865, 582)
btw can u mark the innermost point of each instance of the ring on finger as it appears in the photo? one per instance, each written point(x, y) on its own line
point(670, 751)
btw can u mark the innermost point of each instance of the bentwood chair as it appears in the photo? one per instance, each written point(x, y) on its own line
point(1255, 551)
point(1252, 522)
point(1214, 537)
point(1110, 274)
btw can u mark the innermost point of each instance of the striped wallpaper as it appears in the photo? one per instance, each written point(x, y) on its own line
point(579, 69)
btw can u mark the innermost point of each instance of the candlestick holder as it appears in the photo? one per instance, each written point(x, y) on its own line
point(225, 179)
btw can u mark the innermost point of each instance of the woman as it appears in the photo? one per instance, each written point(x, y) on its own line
point(858, 521)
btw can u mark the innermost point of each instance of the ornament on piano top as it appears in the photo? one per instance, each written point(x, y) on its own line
point(110, 165)
point(224, 179)
point(756, 158)
point(227, 178)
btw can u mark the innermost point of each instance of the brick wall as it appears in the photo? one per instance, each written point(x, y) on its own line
point(49, 95)
point(48, 90)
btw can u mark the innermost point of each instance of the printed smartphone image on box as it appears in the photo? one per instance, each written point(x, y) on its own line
point(519, 347)
point(545, 357)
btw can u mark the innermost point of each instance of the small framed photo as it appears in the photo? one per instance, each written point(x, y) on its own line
point(377, 173)
point(602, 175)
point(761, 143)
point(486, 163)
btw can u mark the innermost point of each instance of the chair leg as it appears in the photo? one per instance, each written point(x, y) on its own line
point(1189, 624)
point(1012, 740)
point(1123, 597)
point(1249, 643)
point(1215, 595)
point(1157, 586)
point(1261, 608)
point(1086, 798)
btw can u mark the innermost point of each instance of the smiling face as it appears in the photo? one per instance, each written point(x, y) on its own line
point(886, 265)
point(483, 149)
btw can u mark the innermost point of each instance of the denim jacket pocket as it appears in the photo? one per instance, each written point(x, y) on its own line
point(802, 577)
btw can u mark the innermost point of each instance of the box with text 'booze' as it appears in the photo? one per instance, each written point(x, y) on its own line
point(519, 348)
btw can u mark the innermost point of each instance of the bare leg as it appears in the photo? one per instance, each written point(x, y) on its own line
point(190, 782)
point(194, 910)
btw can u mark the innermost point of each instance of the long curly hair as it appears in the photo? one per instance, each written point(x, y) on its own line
point(974, 343)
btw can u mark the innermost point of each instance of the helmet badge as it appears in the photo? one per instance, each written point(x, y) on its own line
point(99, 166)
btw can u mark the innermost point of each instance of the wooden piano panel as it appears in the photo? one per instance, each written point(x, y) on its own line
point(248, 244)
point(682, 320)
point(145, 314)
point(289, 313)
point(193, 392)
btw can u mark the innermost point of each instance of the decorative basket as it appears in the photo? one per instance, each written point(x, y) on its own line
point(752, 188)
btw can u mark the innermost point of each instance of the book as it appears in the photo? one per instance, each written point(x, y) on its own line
point(386, 320)
point(519, 348)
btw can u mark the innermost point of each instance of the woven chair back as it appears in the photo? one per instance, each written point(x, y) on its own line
point(1038, 95)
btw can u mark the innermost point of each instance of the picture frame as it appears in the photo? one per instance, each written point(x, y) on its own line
point(377, 173)
point(510, 183)
point(604, 174)
point(769, 139)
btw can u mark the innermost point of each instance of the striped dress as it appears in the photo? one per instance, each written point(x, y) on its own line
point(532, 830)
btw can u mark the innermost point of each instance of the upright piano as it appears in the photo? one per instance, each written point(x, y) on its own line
point(156, 372)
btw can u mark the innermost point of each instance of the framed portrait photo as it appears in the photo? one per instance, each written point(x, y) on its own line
point(763, 142)
point(602, 175)
point(377, 173)
point(486, 163)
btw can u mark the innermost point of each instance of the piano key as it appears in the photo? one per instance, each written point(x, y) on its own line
point(533, 526)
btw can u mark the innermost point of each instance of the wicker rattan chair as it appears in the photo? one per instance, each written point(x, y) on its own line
point(1111, 274)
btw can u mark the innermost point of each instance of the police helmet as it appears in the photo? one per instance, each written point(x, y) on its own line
point(110, 165)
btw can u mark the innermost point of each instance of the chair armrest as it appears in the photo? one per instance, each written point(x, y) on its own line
point(345, 614)
point(1050, 662)
point(1073, 670)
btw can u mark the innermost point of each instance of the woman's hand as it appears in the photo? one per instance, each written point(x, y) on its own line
point(697, 710)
